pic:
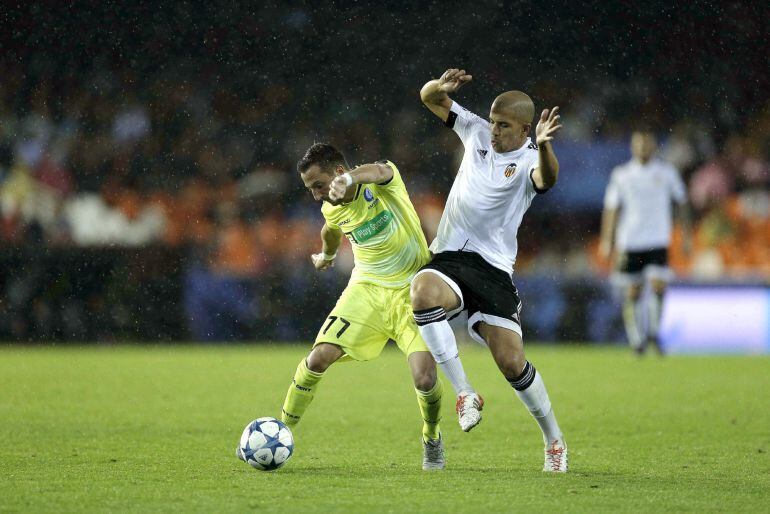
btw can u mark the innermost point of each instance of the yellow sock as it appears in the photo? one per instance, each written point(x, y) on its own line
point(430, 407)
point(300, 394)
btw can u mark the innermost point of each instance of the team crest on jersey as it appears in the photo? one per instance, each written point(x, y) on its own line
point(482, 153)
point(510, 170)
point(368, 195)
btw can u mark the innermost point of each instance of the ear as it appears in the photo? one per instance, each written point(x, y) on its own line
point(527, 128)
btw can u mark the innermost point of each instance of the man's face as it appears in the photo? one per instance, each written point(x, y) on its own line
point(507, 133)
point(643, 145)
point(317, 181)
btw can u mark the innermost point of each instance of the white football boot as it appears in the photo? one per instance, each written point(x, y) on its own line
point(433, 458)
point(556, 457)
point(468, 409)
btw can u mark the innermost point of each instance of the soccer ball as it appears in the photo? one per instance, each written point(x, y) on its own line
point(267, 444)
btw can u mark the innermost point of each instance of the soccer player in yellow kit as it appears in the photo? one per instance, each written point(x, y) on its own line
point(371, 207)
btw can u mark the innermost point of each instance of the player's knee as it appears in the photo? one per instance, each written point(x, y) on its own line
point(424, 294)
point(511, 366)
point(508, 352)
point(322, 356)
point(425, 379)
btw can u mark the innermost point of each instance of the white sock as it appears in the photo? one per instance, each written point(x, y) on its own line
point(531, 391)
point(453, 369)
point(630, 322)
point(440, 339)
point(653, 306)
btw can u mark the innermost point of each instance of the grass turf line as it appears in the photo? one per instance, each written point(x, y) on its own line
point(154, 429)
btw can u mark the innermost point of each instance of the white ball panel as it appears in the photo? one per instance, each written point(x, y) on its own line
point(269, 428)
point(245, 436)
point(263, 456)
point(256, 465)
point(281, 454)
point(284, 435)
point(264, 419)
point(256, 440)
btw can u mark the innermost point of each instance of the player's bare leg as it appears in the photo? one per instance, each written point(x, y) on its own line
point(429, 392)
point(508, 351)
point(654, 306)
point(630, 320)
point(431, 299)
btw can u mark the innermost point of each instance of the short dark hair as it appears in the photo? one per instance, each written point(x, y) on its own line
point(322, 154)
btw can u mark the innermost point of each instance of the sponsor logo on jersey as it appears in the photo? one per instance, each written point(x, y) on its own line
point(368, 195)
point(343, 222)
point(482, 153)
point(510, 170)
point(532, 145)
point(372, 227)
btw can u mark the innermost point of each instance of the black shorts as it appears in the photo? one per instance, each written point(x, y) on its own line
point(634, 263)
point(487, 293)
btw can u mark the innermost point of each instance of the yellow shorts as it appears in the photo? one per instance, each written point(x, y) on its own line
point(366, 317)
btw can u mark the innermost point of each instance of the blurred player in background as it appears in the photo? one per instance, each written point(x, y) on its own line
point(475, 249)
point(371, 207)
point(636, 229)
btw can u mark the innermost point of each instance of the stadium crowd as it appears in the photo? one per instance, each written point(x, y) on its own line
point(196, 152)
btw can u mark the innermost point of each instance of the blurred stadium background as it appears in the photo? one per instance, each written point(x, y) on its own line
point(147, 183)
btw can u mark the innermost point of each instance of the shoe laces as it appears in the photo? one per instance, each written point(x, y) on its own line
point(433, 449)
point(466, 401)
point(554, 455)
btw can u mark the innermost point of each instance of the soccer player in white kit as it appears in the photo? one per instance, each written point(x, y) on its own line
point(636, 225)
point(474, 251)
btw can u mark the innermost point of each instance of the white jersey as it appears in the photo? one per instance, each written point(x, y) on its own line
point(644, 193)
point(490, 194)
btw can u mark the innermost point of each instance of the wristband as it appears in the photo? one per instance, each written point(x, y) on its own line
point(348, 180)
point(328, 257)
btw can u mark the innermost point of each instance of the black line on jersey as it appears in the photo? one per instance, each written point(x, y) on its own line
point(450, 119)
point(537, 189)
point(358, 192)
point(466, 244)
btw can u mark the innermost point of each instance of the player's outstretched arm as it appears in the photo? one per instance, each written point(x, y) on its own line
point(330, 239)
point(435, 94)
point(547, 170)
point(375, 173)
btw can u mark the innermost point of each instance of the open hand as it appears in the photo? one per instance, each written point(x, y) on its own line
point(548, 125)
point(452, 80)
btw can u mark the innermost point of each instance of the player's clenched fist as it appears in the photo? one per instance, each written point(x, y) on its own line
point(321, 262)
point(338, 188)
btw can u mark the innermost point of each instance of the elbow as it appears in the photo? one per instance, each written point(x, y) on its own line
point(549, 182)
point(427, 92)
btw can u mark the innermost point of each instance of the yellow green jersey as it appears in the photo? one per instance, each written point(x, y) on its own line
point(389, 246)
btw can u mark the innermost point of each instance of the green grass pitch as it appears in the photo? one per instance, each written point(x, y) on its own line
point(154, 429)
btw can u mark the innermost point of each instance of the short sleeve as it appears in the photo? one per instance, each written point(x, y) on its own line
point(464, 122)
point(396, 183)
point(676, 185)
point(533, 165)
point(612, 194)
